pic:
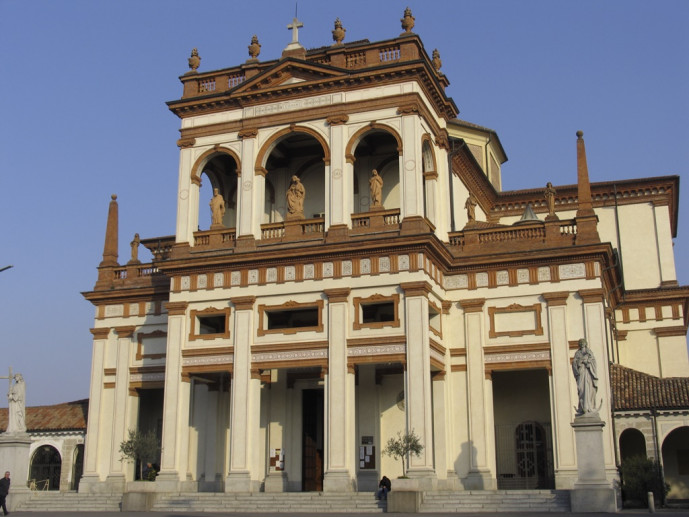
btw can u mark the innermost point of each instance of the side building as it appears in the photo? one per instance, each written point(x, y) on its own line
point(363, 274)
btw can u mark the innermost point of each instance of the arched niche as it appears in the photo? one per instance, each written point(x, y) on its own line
point(46, 467)
point(632, 443)
point(220, 166)
point(375, 147)
point(295, 151)
point(675, 451)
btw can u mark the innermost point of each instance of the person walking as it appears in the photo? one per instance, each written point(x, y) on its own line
point(4, 490)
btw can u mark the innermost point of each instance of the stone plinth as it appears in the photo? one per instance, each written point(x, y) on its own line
point(14, 456)
point(276, 482)
point(592, 492)
point(404, 496)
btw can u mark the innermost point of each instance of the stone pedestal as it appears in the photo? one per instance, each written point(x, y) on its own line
point(338, 482)
point(14, 456)
point(276, 482)
point(592, 492)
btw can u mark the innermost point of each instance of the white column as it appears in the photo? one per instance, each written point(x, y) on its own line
point(418, 389)
point(276, 480)
point(120, 421)
point(411, 177)
point(338, 189)
point(92, 474)
point(340, 433)
point(666, 256)
point(250, 191)
point(175, 402)
point(561, 402)
point(594, 323)
point(245, 402)
point(481, 475)
point(440, 425)
point(188, 199)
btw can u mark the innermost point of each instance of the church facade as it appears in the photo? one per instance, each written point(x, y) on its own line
point(347, 267)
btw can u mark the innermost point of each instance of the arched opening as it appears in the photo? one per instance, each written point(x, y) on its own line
point(429, 173)
point(675, 453)
point(220, 171)
point(46, 467)
point(301, 155)
point(632, 443)
point(77, 466)
point(376, 150)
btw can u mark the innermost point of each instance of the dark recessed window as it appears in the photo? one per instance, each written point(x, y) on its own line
point(376, 312)
point(212, 324)
point(290, 319)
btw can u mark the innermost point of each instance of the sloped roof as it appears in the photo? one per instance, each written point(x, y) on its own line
point(636, 390)
point(61, 417)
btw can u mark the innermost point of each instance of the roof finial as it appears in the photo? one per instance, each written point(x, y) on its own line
point(254, 48)
point(295, 49)
point(338, 32)
point(407, 21)
point(437, 63)
point(194, 61)
point(587, 231)
point(294, 27)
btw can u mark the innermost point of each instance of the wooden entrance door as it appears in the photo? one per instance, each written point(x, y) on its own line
point(312, 443)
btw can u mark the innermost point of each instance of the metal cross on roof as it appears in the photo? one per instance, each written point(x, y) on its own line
point(294, 27)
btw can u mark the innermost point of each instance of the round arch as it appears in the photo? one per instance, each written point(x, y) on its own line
point(46, 467)
point(676, 462)
point(361, 133)
point(267, 147)
point(632, 443)
point(202, 160)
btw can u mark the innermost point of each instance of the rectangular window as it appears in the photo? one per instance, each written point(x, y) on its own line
point(210, 323)
point(376, 311)
point(290, 317)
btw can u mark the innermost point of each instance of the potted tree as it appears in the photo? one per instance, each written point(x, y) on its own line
point(400, 448)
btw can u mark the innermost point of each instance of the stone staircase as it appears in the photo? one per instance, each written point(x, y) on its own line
point(285, 502)
point(496, 501)
point(67, 501)
point(306, 502)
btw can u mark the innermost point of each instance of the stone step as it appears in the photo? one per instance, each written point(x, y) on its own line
point(312, 502)
point(496, 501)
point(54, 501)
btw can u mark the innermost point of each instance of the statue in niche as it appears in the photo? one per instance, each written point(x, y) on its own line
point(295, 199)
point(135, 249)
point(586, 375)
point(549, 194)
point(16, 403)
point(217, 209)
point(470, 206)
point(376, 188)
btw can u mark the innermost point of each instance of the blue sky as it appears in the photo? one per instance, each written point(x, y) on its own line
point(83, 115)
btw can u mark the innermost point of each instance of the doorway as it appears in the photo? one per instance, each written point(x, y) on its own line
point(312, 441)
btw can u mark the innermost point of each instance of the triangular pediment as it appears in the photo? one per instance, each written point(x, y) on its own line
point(287, 73)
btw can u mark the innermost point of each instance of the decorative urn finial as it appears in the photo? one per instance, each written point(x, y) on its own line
point(338, 32)
point(437, 63)
point(194, 61)
point(407, 21)
point(254, 48)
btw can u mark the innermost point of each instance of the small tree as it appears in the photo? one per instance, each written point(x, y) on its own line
point(403, 445)
point(641, 475)
point(141, 447)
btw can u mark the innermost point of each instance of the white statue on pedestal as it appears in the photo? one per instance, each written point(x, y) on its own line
point(586, 375)
point(17, 406)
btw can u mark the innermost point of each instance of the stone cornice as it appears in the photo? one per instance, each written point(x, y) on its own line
point(100, 333)
point(243, 303)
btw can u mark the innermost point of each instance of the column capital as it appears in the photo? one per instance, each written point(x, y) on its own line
point(591, 295)
point(557, 298)
point(243, 303)
point(125, 332)
point(472, 305)
point(100, 333)
point(420, 288)
point(176, 308)
point(337, 119)
point(337, 295)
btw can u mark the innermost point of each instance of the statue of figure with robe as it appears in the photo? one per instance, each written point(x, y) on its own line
point(376, 188)
point(470, 206)
point(549, 194)
point(295, 199)
point(17, 406)
point(217, 209)
point(586, 375)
